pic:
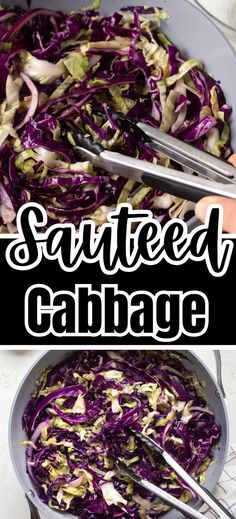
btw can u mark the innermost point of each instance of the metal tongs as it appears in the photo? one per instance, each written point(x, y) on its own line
point(217, 177)
point(202, 492)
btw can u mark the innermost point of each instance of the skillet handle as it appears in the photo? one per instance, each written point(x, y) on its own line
point(33, 510)
point(219, 375)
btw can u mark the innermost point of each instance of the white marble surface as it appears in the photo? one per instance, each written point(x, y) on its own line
point(13, 366)
point(223, 11)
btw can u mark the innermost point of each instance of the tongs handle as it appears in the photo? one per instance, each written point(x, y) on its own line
point(172, 501)
point(202, 492)
point(219, 506)
point(177, 183)
point(173, 187)
point(185, 154)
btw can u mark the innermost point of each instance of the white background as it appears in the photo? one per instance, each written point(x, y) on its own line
point(13, 366)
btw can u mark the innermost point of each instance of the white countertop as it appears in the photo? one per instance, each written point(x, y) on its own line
point(218, 7)
point(13, 366)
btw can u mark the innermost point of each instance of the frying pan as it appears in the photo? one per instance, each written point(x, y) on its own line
point(189, 28)
point(214, 397)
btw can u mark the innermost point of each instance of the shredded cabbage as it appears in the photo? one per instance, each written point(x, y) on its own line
point(56, 69)
point(78, 420)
